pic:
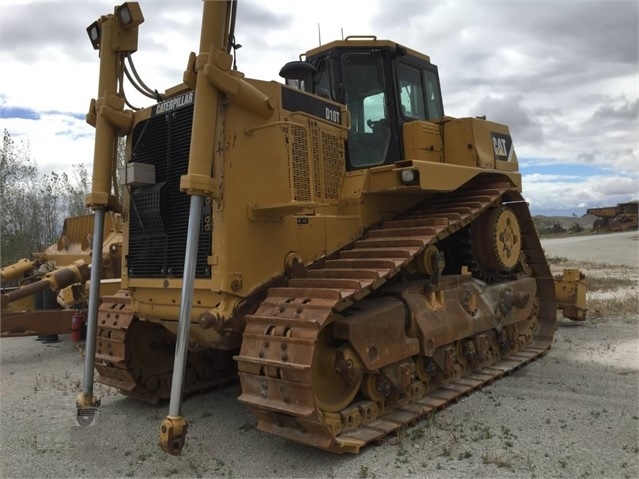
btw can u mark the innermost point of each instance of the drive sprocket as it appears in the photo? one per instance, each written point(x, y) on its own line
point(497, 240)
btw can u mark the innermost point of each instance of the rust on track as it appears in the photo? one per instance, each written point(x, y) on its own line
point(278, 349)
point(280, 341)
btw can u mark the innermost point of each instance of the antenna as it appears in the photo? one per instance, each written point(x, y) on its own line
point(319, 34)
point(342, 30)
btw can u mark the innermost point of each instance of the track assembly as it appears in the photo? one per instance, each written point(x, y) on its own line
point(323, 364)
point(352, 351)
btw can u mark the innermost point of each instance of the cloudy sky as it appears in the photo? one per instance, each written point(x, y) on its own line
point(563, 74)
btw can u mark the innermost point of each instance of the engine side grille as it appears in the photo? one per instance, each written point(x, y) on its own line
point(316, 166)
point(333, 166)
point(298, 161)
point(317, 161)
point(160, 213)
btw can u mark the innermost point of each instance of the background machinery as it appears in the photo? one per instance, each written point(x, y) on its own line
point(41, 295)
point(358, 257)
point(622, 217)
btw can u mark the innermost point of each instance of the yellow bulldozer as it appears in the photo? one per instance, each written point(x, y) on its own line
point(40, 295)
point(356, 256)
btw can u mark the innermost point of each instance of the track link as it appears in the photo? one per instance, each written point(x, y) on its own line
point(281, 339)
point(136, 356)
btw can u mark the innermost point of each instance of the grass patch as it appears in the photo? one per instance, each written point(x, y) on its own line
point(596, 283)
point(417, 432)
point(365, 472)
point(480, 432)
point(626, 305)
point(563, 262)
point(499, 461)
point(557, 260)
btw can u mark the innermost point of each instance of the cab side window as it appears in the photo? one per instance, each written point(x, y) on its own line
point(419, 95)
point(323, 79)
point(433, 95)
point(411, 93)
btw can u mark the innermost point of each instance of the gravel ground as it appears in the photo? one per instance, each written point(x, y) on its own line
point(614, 248)
point(573, 413)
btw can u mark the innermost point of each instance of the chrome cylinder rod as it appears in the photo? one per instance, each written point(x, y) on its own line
point(94, 300)
point(87, 404)
point(181, 346)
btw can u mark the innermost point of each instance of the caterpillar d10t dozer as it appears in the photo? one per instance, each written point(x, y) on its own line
point(356, 256)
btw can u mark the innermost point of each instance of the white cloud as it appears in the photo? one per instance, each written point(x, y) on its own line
point(553, 192)
point(565, 79)
point(60, 140)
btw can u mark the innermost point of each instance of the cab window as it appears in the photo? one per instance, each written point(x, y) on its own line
point(411, 92)
point(433, 95)
point(365, 99)
point(323, 80)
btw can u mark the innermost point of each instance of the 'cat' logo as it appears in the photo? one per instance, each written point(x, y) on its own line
point(502, 146)
point(499, 144)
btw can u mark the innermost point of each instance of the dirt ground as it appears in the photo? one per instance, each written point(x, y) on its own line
point(573, 413)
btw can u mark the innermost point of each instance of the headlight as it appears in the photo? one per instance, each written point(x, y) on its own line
point(129, 14)
point(94, 34)
point(408, 176)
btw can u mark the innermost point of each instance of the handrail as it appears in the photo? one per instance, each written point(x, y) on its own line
point(250, 131)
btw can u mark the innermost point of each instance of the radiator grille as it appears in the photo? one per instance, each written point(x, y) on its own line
point(316, 176)
point(299, 163)
point(159, 214)
point(333, 166)
point(317, 161)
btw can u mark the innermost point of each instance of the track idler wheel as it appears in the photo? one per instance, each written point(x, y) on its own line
point(152, 348)
point(496, 238)
point(336, 375)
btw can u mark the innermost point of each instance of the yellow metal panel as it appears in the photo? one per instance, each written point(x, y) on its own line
point(459, 143)
point(341, 230)
point(311, 237)
point(353, 184)
point(422, 141)
point(478, 142)
point(488, 146)
point(366, 41)
point(383, 178)
point(432, 177)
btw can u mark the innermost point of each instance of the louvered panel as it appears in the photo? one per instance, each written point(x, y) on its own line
point(160, 213)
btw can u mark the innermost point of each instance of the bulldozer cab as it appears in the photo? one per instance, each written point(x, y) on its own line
point(383, 85)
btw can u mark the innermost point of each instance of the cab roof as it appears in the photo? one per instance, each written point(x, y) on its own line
point(364, 41)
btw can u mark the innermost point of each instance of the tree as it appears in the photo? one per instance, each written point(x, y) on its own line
point(16, 164)
point(18, 180)
point(77, 191)
point(48, 210)
point(33, 208)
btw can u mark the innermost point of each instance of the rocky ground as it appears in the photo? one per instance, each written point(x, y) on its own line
point(573, 413)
